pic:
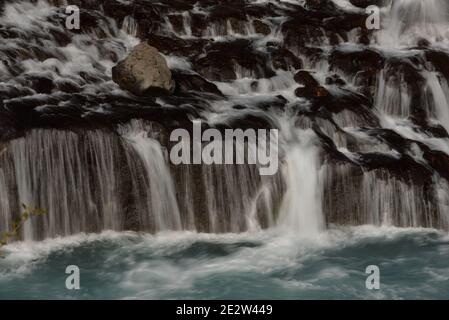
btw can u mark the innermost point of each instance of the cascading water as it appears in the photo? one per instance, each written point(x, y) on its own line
point(158, 190)
point(411, 20)
point(74, 177)
point(301, 211)
point(363, 120)
point(229, 205)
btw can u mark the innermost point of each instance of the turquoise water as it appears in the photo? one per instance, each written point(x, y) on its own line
point(414, 263)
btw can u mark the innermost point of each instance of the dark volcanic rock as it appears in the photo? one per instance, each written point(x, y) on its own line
point(440, 60)
point(305, 78)
point(171, 44)
point(354, 61)
point(222, 59)
point(284, 59)
point(261, 27)
point(367, 3)
point(186, 81)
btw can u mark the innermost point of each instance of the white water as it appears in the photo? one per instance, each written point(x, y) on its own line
point(271, 237)
point(439, 90)
point(411, 20)
point(301, 211)
point(51, 170)
point(50, 173)
point(393, 96)
point(266, 264)
point(160, 193)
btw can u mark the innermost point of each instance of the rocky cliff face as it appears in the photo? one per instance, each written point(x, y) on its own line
point(376, 101)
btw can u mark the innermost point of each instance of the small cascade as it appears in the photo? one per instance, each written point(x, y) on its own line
point(301, 211)
point(393, 96)
point(389, 201)
point(412, 20)
point(97, 180)
point(158, 195)
point(439, 89)
point(227, 198)
point(130, 26)
point(74, 177)
point(354, 197)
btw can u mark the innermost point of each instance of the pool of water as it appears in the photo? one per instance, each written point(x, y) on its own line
point(413, 263)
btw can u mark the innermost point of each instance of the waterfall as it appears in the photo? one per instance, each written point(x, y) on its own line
point(363, 116)
point(301, 211)
point(393, 96)
point(411, 20)
point(392, 202)
point(97, 180)
point(439, 90)
point(73, 177)
point(159, 195)
point(130, 26)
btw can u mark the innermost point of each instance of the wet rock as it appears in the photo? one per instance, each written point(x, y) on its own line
point(256, 10)
point(306, 79)
point(198, 24)
point(363, 64)
point(367, 3)
point(251, 120)
point(299, 34)
point(318, 93)
point(223, 58)
point(284, 59)
point(439, 161)
point(404, 167)
point(171, 44)
point(40, 84)
point(148, 16)
point(423, 43)
point(335, 79)
point(177, 22)
point(440, 60)
point(346, 22)
point(435, 130)
point(222, 16)
point(277, 102)
point(406, 69)
point(314, 54)
point(187, 81)
point(143, 71)
point(21, 105)
point(224, 12)
point(323, 6)
point(354, 61)
point(68, 86)
point(365, 37)
point(261, 27)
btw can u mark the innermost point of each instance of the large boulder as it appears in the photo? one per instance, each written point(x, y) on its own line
point(144, 71)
